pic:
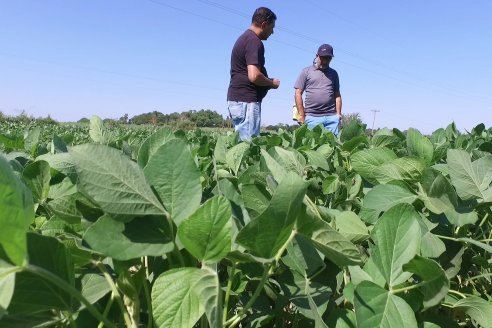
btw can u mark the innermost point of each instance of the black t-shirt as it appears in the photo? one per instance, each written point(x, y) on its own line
point(248, 50)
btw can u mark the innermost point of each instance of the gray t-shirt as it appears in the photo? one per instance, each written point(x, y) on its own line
point(320, 87)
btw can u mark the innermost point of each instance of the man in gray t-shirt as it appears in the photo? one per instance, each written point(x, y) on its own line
point(322, 101)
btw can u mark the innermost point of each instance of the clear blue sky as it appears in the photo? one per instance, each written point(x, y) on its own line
point(419, 63)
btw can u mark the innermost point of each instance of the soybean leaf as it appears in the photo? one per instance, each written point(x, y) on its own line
point(310, 297)
point(97, 131)
point(376, 307)
point(351, 226)
point(152, 143)
point(266, 234)
point(61, 162)
point(365, 162)
point(181, 296)
point(140, 237)
point(33, 293)
point(206, 234)
point(316, 159)
point(407, 169)
point(173, 173)
point(235, 155)
point(397, 238)
point(290, 160)
point(220, 150)
point(31, 140)
point(438, 194)
point(303, 257)
point(94, 287)
point(478, 309)
point(419, 146)
point(114, 182)
point(434, 284)
point(383, 197)
point(37, 177)
point(471, 179)
point(16, 215)
point(7, 283)
point(327, 240)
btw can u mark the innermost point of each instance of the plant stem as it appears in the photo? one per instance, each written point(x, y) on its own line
point(106, 309)
point(149, 304)
point(480, 276)
point(448, 238)
point(70, 289)
point(236, 318)
point(117, 296)
point(228, 292)
point(457, 293)
point(405, 289)
point(268, 270)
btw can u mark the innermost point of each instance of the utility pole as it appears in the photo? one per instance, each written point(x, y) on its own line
point(374, 119)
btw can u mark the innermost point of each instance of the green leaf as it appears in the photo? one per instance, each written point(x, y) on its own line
point(483, 246)
point(140, 237)
point(327, 240)
point(181, 296)
point(94, 287)
point(37, 177)
point(316, 159)
point(383, 197)
point(438, 194)
point(376, 307)
point(58, 145)
point(31, 140)
point(303, 257)
point(419, 146)
point(17, 213)
point(471, 179)
point(478, 309)
point(235, 155)
point(309, 296)
point(290, 160)
point(62, 162)
point(266, 160)
point(152, 143)
point(255, 197)
point(407, 169)
point(397, 238)
point(434, 284)
point(365, 162)
point(33, 293)
point(266, 234)
point(173, 173)
point(114, 182)
point(7, 283)
point(97, 131)
point(206, 234)
point(351, 226)
point(220, 150)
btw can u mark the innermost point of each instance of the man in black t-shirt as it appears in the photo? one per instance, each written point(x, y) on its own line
point(249, 79)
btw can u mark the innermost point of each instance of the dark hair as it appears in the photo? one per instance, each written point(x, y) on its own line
point(263, 14)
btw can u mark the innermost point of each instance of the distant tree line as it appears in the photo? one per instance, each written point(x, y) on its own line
point(185, 120)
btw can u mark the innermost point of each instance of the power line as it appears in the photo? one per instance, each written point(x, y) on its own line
point(317, 41)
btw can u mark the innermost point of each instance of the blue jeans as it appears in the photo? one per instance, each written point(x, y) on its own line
point(246, 118)
point(329, 122)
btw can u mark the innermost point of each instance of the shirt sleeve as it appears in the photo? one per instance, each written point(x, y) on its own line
point(301, 80)
point(253, 53)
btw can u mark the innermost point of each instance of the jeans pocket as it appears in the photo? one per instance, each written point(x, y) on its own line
point(237, 110)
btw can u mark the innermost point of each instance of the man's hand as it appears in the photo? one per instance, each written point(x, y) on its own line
point(301, 119)
point(276, 83)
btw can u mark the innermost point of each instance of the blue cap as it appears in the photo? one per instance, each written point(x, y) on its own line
point(325, 50)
